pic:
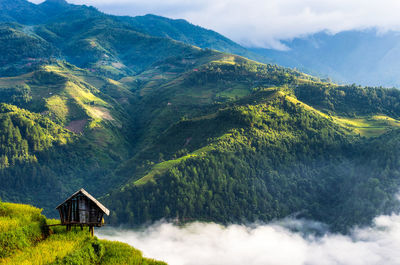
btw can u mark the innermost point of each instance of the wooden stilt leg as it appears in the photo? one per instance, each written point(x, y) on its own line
point(91, 230)
point(82, 227)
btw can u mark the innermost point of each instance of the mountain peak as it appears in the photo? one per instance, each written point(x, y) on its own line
point(58, 2)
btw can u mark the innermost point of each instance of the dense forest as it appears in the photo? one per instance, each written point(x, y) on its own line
point(263, 161)
point(157, 128)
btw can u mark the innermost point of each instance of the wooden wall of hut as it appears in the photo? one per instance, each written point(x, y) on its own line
point(80, 210)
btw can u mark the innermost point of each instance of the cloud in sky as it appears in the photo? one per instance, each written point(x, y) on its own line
point(212, 244)
point(264, 22)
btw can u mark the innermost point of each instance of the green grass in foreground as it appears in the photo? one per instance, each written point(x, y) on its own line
point(25, 240)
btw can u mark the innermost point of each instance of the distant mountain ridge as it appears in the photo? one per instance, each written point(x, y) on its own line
point(366, 57)
point(25, 12)
point(182, 30)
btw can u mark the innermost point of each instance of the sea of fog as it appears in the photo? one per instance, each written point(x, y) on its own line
point(288, 242)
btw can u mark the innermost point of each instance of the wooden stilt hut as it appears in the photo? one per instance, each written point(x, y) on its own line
point(82, 209)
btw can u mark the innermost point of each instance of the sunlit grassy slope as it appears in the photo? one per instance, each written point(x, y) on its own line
point(66, 93)
point(371, 126)
point(24, 239)
point(368, 126)
point(69, 126)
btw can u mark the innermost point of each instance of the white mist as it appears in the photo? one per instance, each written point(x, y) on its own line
point(275, 244)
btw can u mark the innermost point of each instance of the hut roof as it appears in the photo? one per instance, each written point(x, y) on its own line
point(84, 192)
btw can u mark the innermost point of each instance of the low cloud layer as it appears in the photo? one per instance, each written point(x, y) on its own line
point(263, 23)
point(212, 244)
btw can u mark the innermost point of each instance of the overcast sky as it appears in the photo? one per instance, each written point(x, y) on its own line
point(263, 23)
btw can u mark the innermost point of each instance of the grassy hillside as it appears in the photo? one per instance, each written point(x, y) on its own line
point(208, 82)
point(24, 239)
point(107, 47)
point(71, 129)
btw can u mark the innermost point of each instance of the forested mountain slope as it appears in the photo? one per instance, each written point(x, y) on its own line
point(66, 133)
point(182, 30)
point(162, 129)
point(249, 150)
point(108, 29)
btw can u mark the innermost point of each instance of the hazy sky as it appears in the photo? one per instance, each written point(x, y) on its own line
point(264, 22)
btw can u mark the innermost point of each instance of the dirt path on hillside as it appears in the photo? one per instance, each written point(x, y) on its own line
point(76, 126)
